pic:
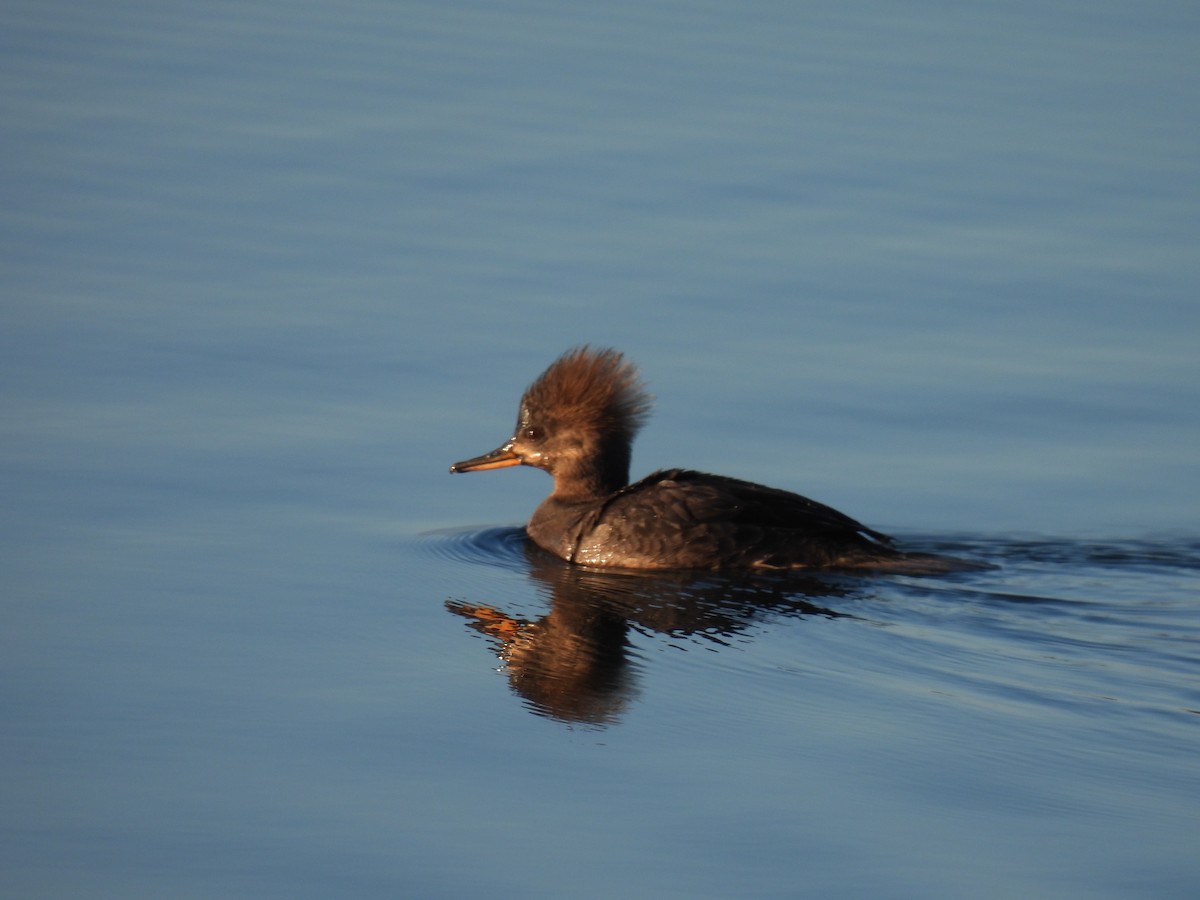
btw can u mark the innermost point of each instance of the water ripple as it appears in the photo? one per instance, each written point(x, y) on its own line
point(495, 546)
point(1165, 553)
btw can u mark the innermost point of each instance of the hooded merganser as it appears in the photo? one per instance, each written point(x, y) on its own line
point(578, 421)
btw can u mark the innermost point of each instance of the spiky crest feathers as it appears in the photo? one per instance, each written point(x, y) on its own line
point(589, 390)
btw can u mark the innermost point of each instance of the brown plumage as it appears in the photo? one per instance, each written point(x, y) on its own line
point(578, 421)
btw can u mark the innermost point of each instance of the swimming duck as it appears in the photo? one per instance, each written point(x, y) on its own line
point(578, 420)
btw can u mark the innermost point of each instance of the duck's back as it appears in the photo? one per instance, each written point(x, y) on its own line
point(684, 519)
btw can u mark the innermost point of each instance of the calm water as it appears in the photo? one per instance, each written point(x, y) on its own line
point(269, 268)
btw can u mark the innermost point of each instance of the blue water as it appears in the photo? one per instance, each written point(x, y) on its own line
point(267, 269)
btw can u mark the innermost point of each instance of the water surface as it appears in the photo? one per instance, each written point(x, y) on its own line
point(268, 269)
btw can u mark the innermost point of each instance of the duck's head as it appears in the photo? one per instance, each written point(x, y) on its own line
point(577, 421)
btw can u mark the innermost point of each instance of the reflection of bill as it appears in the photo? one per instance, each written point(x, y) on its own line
point(567, 666)
point(572, 664)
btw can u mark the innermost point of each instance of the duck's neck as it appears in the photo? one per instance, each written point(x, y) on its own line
point(593, 477)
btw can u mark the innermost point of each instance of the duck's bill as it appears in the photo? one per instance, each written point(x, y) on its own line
point(499, 458)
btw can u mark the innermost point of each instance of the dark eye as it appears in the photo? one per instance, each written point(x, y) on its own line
point(533, 433)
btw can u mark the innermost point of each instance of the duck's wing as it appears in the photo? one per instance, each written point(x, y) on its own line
point(684, 519)
point(705, 498)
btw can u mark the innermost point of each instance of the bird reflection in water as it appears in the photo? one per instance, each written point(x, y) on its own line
point(573, 665)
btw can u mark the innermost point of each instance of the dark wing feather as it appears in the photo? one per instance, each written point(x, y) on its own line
point(710, 521)
point(712, 498)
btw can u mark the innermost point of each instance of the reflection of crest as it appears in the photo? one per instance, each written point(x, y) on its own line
point(572, 664)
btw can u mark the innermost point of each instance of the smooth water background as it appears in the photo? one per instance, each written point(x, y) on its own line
point(268, 268)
